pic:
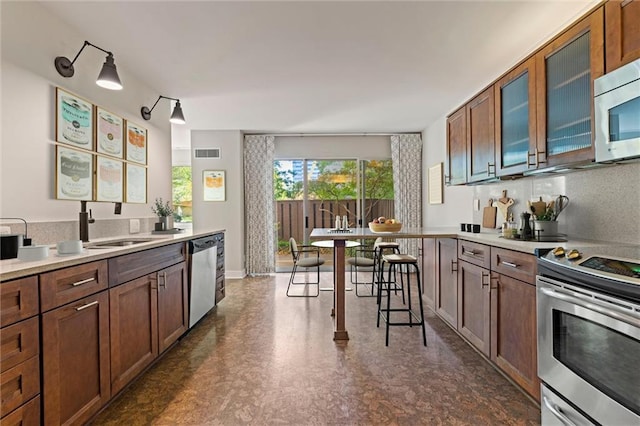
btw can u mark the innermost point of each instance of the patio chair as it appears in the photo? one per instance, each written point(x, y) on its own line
point(300, 261)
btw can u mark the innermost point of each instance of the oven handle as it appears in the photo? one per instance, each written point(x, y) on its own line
point(609, 310)
point(557, 412)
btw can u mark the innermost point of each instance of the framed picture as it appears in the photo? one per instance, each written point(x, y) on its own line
point(435, 184)
point(136, 145)
point(109, 133)
point(74, 174)
point(74, 120)
point(109, 179)
point(213, 182)
point(136, 184)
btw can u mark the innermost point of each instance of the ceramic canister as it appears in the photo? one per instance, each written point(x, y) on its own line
point(76, 121)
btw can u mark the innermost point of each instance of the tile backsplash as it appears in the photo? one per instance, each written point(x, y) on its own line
point(48, 233)
point(604, 203)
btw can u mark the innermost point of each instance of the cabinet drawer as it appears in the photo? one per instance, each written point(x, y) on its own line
point(26, 415)
point(135, 265)
point(19, 342)
point(514, 264)
point(63, 286)
point(476, 253)
point(19, 300)
point(19, 384)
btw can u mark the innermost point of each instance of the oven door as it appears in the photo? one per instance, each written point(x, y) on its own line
point(617, 118)
point(588, 346)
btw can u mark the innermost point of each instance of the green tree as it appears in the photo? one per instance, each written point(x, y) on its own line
point(182, 189)
point(283, 184)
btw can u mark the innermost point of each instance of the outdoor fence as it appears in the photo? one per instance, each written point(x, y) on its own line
point(290, 218)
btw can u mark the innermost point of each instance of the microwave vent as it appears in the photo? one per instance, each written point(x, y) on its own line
point(207, 153)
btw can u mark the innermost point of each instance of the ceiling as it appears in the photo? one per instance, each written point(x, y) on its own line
point(318, 67)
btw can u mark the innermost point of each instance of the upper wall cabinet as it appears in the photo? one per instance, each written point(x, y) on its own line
point(565, 70)
point(481, 137)
point(622, 32)
point(456, 172)
point(515, 119)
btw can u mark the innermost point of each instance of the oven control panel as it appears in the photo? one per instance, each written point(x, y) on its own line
point(613, 266)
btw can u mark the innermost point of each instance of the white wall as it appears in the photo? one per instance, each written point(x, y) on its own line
point(328, 147)
point(31, 39)
point(227, 214)
point(457, 200)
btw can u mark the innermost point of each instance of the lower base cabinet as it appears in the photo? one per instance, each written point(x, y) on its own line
point(474, 305)
point(428, 271)
point(513, 331)
point(75, 350)
point(446, 296)
point(157, 304)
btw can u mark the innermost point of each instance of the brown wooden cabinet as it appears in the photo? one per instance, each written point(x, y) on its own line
point(622, 32)
point(474, 309)
point(220, 278)
point(565, 71)
point(173, 305)
point(480, 154)
point(19, 352)
point(75, 359)
point(447, 280)
point(428, 271)
point(513, 331)
point(515, 119)
point(158, 306)
point(133, 348)
point(456, 170)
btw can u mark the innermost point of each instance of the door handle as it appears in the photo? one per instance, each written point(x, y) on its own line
point(306, 221)
point(557, 412)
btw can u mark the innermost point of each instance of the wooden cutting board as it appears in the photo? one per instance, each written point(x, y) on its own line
point(489, 216)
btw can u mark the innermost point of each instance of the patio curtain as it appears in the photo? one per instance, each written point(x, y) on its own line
point(406, 158)
point(259, 204)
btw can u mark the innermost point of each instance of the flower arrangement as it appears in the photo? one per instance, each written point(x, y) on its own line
point(162, 209)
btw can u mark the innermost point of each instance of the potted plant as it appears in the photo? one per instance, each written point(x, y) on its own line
point(163, 210)
point(545, 223)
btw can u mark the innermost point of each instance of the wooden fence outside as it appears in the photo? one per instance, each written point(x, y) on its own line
point(290, 220)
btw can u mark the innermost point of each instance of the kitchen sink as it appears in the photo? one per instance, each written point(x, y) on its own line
point(118, 243)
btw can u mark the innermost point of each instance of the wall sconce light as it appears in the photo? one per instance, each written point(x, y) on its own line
point(177, 117)
point(108, 77)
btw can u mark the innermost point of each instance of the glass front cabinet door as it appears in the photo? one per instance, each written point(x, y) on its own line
point(565, 70)
point(515, 122)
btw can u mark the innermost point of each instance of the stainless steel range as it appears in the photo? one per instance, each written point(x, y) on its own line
point(589, 337)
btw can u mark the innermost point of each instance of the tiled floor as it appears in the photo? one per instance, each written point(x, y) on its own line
point(261, 358)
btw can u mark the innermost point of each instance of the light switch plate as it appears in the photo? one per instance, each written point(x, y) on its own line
point(476, 205)
point(134, 226)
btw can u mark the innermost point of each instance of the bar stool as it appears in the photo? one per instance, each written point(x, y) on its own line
point(393, 260)
point(380, 247)
point(364, 258)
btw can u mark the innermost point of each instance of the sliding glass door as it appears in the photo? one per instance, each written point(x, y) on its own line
point(312, 193)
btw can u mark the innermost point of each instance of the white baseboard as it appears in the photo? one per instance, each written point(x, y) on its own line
point(235, 274)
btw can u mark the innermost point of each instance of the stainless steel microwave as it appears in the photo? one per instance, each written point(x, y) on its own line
point(617, 114)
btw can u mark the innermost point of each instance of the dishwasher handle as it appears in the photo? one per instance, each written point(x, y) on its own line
point(201, 244)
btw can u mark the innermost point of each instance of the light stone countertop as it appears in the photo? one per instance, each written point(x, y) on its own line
point(15, 268)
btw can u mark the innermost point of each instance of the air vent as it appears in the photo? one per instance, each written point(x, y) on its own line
point(208, 153)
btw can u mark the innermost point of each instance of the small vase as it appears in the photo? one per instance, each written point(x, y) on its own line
point(163, 223)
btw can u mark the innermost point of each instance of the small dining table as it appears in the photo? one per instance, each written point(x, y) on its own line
point(330, 244)
point(340, 239)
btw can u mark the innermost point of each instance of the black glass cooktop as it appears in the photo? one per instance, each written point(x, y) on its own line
point(613, 266)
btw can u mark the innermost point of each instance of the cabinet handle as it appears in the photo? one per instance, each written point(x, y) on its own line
point(452, 268)
point(79, 308)
point(536, 158)
point(510, 264)
point(496, 280)
point(470, 253)
point(489, 166)
point(88, 280)
point(161, 283)
point(485, 275)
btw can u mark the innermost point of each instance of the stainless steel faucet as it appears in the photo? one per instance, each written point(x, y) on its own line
point(85, 219)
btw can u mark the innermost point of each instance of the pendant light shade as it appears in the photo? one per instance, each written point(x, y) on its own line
point(177, 117)
point(108, 77)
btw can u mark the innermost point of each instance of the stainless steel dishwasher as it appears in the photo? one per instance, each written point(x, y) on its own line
point(202, 277)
